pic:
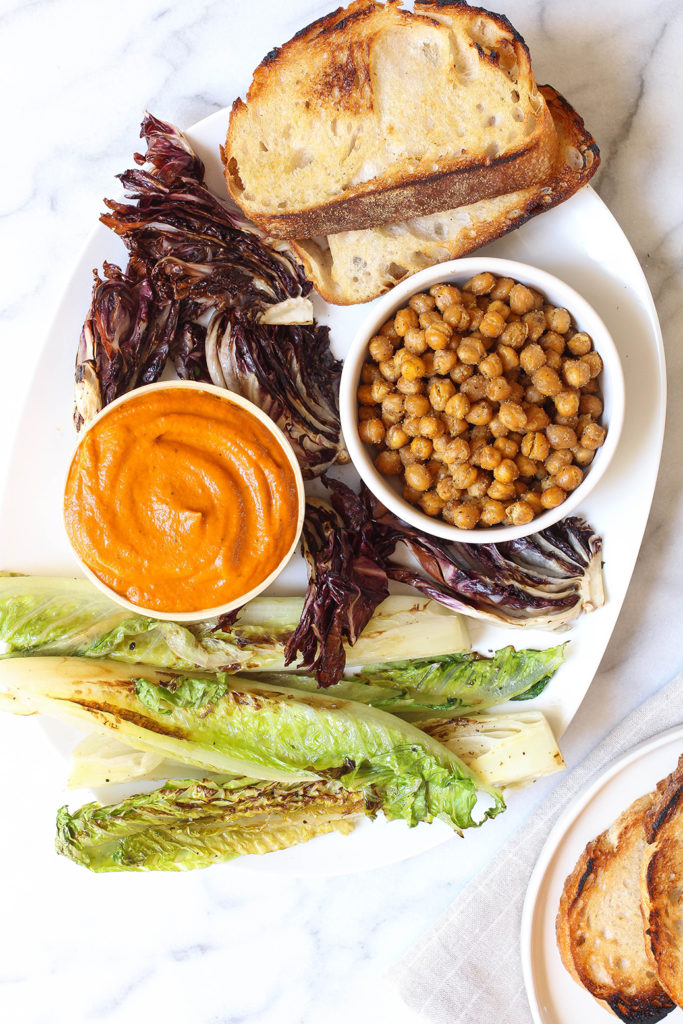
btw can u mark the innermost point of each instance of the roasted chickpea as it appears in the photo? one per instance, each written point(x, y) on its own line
point(458, 405)
point(497, 428)
point(531, 358)
point(364, 395)
point(463, 475)
point(457, 317)
point(438, 335)
point(455, 425)
point(479, 489)
point(552, 497)
point(507, 446)
point(535, 446)
point(432, 426)
point(501, 308)
point(368, 412)
point(527, 467)
point(411, 495)
point(576, 372)
point(461, 372)
point(471, 351)
point(379, 389)
point(444, 361)
point(535, 322)
point(506, 471)
point(421, 447)
point(411, 425)
point(446, 489)
point(594, 364)
point(421, 302)
point(389, 370)
point(551, 341)
point(414, 341)
point(533, 396)
point(464, 515)
point(502, 288)
point(440, 390)
point(413, 367)
point(396, 436)
point(410, 387)
point(418, 476)
point(430, 503)
point(515, 334)
point(488, 457)
point(583, 456)
point(560, 436)
point(480, 413)
point(553, 360)
point(580, 344)
point(480, 284)
point(404, 320)
point(369, 373)
point(593, 436)
point(533, 499)
point(492, 324)
point(567, 403)
point(569, 478)
point(508, 357)
point(558, 319)
point(393, 408)
point(498, 389)
point(491, 365)
point(371, 431)
point(546, 381)
point(536, 417)
point(380, 348)
point(474, 387)
point(521, 299)
point(591, 405)
point(388, 463)
point(416, 405)
point(520, 513)
point(445, 295)
point(557, 460)
point(429, 318)
point(512, 415)
point(492, 512)
point(457, 450)
point(501, 492)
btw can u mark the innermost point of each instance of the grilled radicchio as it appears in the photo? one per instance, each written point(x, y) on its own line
point(544, 580)
point(192, 261)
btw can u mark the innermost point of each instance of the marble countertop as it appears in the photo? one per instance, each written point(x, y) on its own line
point(231, 944)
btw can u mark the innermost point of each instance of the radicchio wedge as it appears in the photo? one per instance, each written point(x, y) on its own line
point(192, 261)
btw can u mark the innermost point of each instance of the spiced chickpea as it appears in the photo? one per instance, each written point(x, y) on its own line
point(557, 460)
point(558, 319)
point(414, 341)
point(446, 489)
point(389, 331)
point(411, 425)
point(474, 387)
point(506, 471)
point(569, 478)
point(594, 363)
point(372, 431)
point(458, 405)
point(404, 320)
point(471, 351)
point(464, 515)
point(567, 403)
point(519, 513)
point(421, 447)
point(580, 344)
point(491, 365)
point(480, 413)
point(591, 405)
point(421, 302)
point(379, 389)
point(380, 348)
point(515, 334)
point(396, 437)
point(500, 491)
point(389, 370)
point(546, 380)
point(531, 358)
point(457, 450)
point(429, 318)
point(411, 495)
point(480, 284)
point(533, 396)
point(560, 436)
point(497, 428)
point(479, 489)
point(364, 395)
point(416, 405)
point(418, 476)
point(492, 512)
point(430, 503)
point(368, 412)
point(438, 335)
point(498, 389)
point(553, 360)
point(428, 360)
point(512, 415)
point(502, 288)
point(536, 417)
point(551, 341)
point(553, 496)
point(463, 475)
point(527, 467)
point(535, 322)
point(521, 299)
point(410, 387)
point(576, 372)
point(461, 372)
point(393, 408)
point(445, 295)
point(455, 425)
point(593, 436)
point(535, 446)
point(533, 498)
point(440, 390)
point(508, 357)
point(432, 426)
point(369, 373)
point(507, 446)
point(489, 457)
point(583, 456)
point(492, 324)
point(457, 317)
point(388, 463)
point(444, 361)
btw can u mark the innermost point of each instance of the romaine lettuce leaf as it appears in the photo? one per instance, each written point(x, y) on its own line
point(260, 731)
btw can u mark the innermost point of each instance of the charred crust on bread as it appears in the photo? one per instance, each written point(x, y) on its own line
point(584, 877)
point(637, 1011)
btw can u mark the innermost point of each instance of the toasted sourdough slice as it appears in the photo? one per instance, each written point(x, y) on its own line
point(355, 266)
point(662, 884)
point(374, 114)
point(600, 930)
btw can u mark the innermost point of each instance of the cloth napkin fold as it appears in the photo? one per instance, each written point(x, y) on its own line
point(479, 981)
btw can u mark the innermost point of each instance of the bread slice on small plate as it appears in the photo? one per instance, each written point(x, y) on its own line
point(374, 114)
point(662, 884)
point(356, 266)
point(600, 931)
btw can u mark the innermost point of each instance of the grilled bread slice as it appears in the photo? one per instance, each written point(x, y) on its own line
point(662, 884)
point(374, 114)
point(600, 930)
point(356, 266)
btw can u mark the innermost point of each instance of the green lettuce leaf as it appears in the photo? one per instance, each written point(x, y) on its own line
point(260, 731)
point(451, 684)
point(46, 616)
point(195, 823)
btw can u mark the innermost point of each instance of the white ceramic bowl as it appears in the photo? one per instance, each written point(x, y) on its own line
point(387, 489)
point(284, 445)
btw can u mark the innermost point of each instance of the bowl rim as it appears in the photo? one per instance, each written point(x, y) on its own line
point(459, 270)
point(280, 437)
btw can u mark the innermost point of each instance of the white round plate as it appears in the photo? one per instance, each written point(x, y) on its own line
point(554, 997)
point(581, 243)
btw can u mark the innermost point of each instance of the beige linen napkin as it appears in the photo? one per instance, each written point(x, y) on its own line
point(468, 969)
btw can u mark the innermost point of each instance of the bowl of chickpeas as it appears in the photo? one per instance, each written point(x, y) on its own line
point(482, 400)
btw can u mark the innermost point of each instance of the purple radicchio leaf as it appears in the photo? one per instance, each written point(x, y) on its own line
point(192, 259)
point(346, 584)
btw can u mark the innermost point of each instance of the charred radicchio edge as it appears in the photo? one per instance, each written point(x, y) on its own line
point(546, 579)
point(192, 260)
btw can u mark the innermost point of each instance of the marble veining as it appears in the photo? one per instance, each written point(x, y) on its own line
point(232, 945)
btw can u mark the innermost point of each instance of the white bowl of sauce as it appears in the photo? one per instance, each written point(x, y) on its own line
point(183, 501)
